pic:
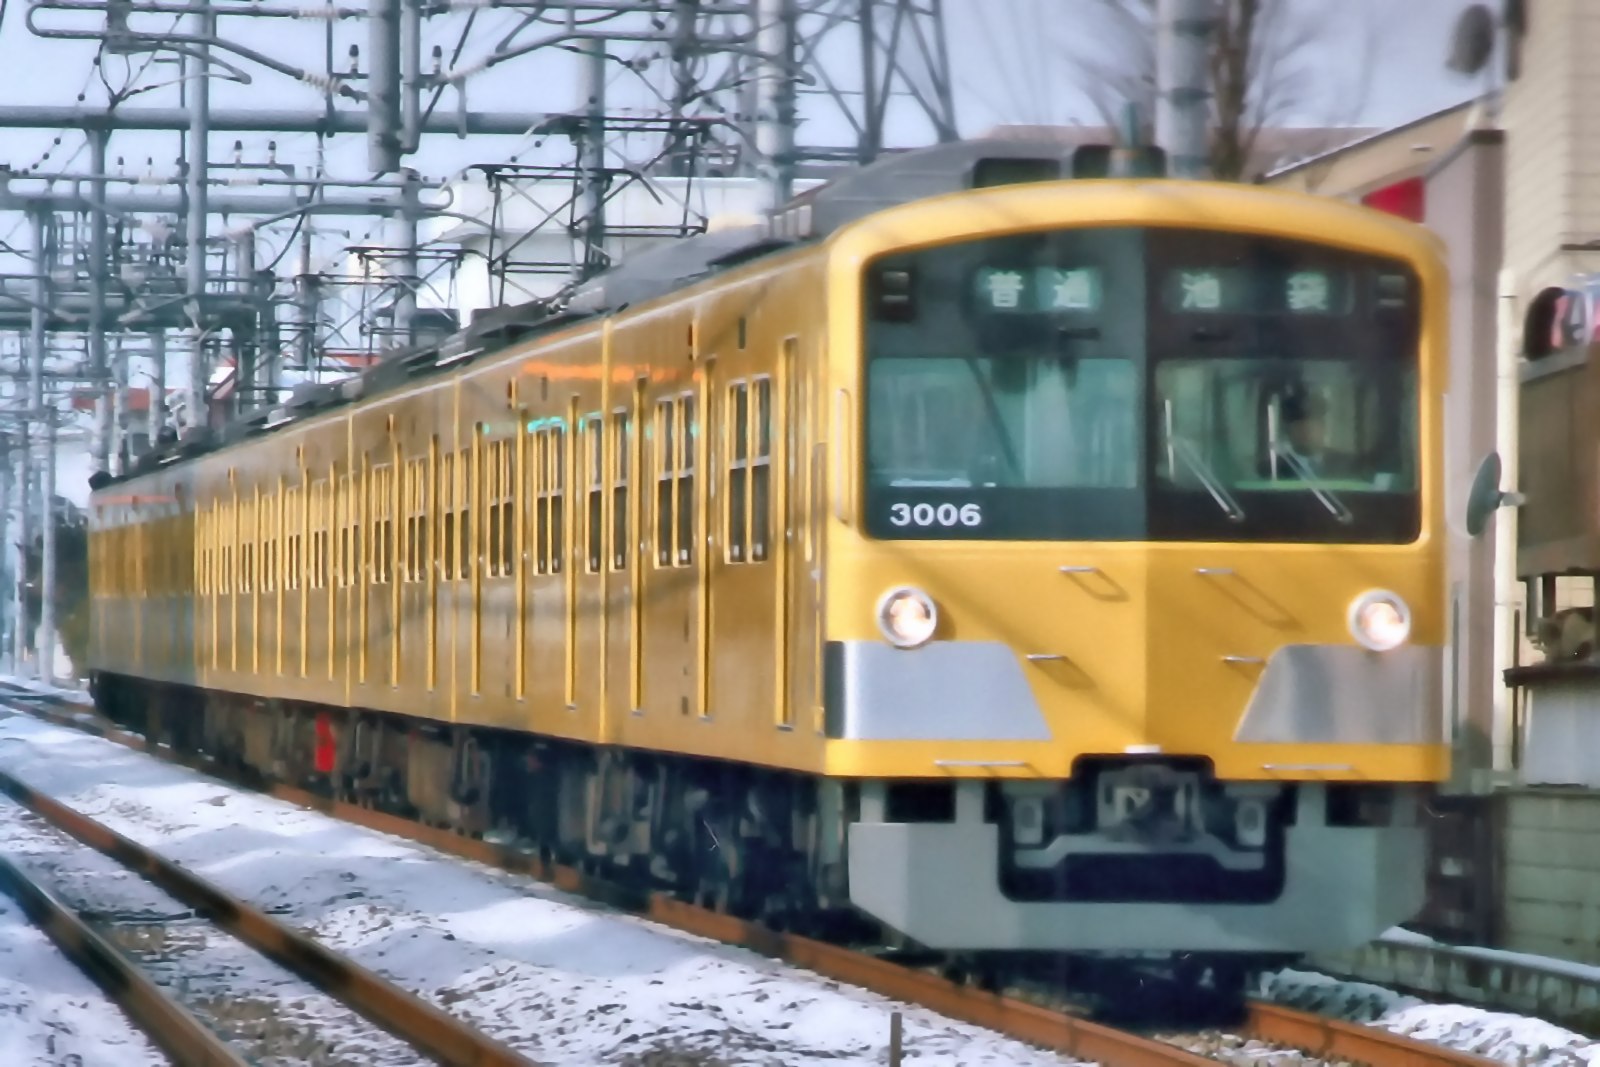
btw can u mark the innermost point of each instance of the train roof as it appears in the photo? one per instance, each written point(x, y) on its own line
point(897, 178)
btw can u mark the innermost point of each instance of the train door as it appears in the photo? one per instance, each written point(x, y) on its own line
point(623, 675)
point(459, 533)
point(671, 639)
point(272, 580)
point(587, 621)
point(341, 627)
point(796, 546)
point(743, 568)
point(412, 575)
point(545, 652)
point(437, 497)
point(376, 661)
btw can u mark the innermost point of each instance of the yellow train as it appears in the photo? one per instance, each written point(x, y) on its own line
point(1006, 561)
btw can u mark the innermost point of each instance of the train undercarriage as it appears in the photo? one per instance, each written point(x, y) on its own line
point(1087, 883)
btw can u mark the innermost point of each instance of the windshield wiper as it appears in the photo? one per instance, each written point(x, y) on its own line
point(1303, 470)
point(1179, 446)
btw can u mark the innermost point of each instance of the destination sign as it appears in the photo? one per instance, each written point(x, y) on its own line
point(1240, 290)
point(1038, 289)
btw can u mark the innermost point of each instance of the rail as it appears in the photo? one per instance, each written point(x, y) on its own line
point(430, 1029)
point(1061, 1032)
point(166, 1022)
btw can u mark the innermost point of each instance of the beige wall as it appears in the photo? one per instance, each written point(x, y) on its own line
point(1552, 115)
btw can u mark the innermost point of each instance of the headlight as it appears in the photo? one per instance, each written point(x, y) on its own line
point(1380, 620)
point(907, 617)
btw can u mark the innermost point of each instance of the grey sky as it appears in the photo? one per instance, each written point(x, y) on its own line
point(1008, 59)
point(1006, 54)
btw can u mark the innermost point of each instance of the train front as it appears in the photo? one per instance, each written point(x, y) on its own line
point(1135, 595)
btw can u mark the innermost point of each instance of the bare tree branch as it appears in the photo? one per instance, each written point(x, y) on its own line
point(1260, 70)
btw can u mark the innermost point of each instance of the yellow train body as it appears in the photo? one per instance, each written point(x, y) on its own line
point(497, 545)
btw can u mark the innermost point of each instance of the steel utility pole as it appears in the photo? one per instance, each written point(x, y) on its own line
point(197, 67)
point(1184, 30)
point(592, 159)
point(37, 410)
point(97, 296)
point(6, 616)
point(775, 99)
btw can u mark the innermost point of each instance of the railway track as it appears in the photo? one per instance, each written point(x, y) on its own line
point(1267, 1029)
point(199, 1033)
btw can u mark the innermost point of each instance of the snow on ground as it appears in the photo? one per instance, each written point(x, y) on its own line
point(52, 1013)
point(563, 980)
point(77, 695)
point(1514, 1039)
point(266, 1013)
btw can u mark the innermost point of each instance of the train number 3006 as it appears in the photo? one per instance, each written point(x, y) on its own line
point(935, 515)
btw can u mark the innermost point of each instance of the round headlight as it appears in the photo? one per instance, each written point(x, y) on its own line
point(1380, 620)
point(907, 617)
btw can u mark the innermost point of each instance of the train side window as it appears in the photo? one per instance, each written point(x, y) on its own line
point(508, 537)
point(688, 438)
point(356, 518)
point(620, 445)
point(426, 496)
point(490, 481)
point(202, 580)
point(539, 489)
point(228, 538)
point(319, 533)
point(386, 549)
point(447, 516)
point(665, 464)
point(339, 531)
point(269, 532)
point(247, 547)
point(392, 502)
point(594, 467)
point(464, 526)
point(558, 498)
point(735, 520)
point(761, 473)
point(377, 511)
point(292, 518)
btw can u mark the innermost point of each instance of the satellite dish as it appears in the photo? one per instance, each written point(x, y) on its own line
point(1486, 497)
point(1472, 42)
